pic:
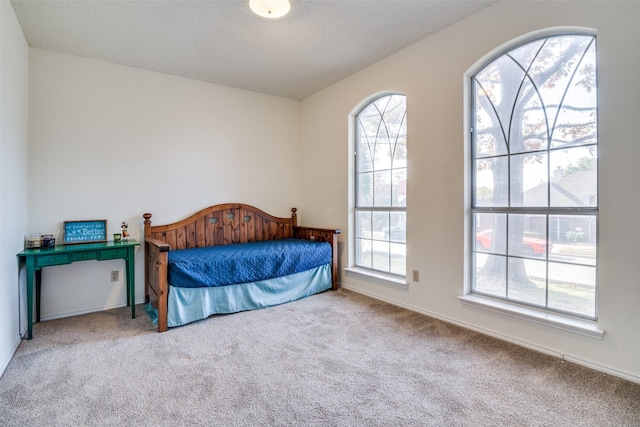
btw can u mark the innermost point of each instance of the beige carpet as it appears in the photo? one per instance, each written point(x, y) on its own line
point(333, 359)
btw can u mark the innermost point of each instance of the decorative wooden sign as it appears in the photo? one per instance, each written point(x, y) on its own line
point(85, 231)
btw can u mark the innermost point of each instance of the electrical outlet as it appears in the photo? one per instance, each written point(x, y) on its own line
point(416, 275)
point(115, 275)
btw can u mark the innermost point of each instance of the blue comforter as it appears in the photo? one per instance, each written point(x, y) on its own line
point(244, 262)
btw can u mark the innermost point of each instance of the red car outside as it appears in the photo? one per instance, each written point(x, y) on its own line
point(532, 245)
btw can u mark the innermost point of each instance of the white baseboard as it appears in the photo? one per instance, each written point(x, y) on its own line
point(565, 357)
point(7, 357)
point(85, 311)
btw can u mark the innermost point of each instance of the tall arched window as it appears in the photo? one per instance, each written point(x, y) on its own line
point(381, 185)
point(534, 175)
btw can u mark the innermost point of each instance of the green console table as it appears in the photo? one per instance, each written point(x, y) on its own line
point(66, 254)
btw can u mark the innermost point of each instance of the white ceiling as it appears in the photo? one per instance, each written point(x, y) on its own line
point(223, 42)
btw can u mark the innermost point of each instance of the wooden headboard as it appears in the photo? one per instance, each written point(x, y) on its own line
point(223, 225)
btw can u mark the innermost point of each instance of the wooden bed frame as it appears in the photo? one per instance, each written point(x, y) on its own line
point(223, 224)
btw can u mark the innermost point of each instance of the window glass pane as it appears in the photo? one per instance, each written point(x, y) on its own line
point(487, 144)
point(363, 224)
point(369, 123)
point(491, 233)
point(576, 122)
point(365, 154)
point(574, 180)
point(491, 274)
point(528, 180)
point(382, 188)
point(489, 139)
point(496, 88)
point(399, 187)
point(574, 238)
point(380, 255)
point(565, 90)
point(363, 253)
point(572, 288)
point(530, 131)
point(397, 232)
point(492, 182)
point(380, 223)
point(365, 190)
point(528, 236)
point(382, 152)
point(525, 54)
point(527, 281)
point(400, 149)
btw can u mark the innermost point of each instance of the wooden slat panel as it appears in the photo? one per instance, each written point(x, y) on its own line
point(242, 226)
point(259, 229)
point(181, 238)
point(237, 219)
point(250, 226)
point(170, 238)
point(191, 235)
point(231, 224)
point(219, 228)
point(200, 233)
point(225, 230)
point(209, 231)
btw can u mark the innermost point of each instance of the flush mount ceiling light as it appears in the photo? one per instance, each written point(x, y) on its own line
point(270, 8)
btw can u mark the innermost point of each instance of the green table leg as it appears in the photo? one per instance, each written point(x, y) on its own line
point(131, 291)
point(30, 274)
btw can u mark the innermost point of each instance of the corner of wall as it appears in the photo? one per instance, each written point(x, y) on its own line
point(14, 118)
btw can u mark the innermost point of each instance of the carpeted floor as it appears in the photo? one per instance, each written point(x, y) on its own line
point(333, 359)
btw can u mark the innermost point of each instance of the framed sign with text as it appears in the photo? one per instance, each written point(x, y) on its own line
point(90, 231)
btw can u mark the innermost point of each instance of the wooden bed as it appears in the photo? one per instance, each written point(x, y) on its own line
point(223, 224)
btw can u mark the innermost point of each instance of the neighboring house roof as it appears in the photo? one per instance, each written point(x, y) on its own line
point(576, 189)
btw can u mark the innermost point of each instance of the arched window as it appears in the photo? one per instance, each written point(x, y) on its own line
point(534, 175)
point(381, 185)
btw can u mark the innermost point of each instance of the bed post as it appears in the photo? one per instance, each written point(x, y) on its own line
point(334, 260)
point(147, 225)
point(294, 216)
point(155, 272)
point(147, 233)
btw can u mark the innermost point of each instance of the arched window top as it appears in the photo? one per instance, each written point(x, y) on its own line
point(539, 95)
point(381, 137)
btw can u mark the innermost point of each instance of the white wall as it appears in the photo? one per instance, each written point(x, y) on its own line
point(14, 113)
point(113, 142)
point(430, 73)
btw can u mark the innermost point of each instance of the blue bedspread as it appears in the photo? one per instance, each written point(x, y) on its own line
point(244, 262)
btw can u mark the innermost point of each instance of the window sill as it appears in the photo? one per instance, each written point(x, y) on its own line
point(578, 326)
point(376, 277)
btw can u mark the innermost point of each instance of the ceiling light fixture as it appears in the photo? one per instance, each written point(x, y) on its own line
point(270, 8)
